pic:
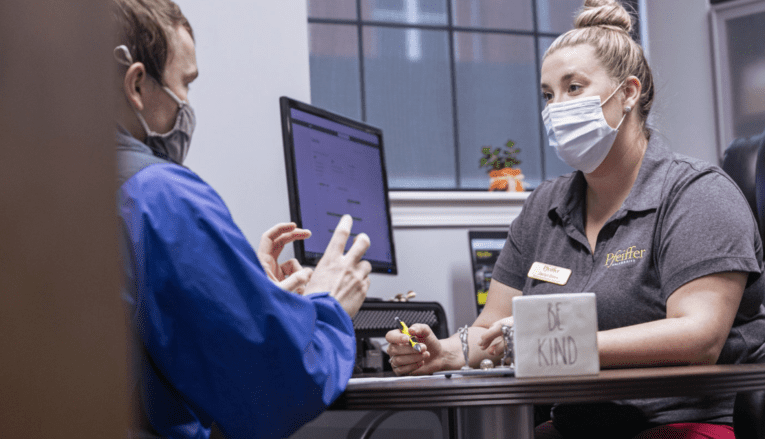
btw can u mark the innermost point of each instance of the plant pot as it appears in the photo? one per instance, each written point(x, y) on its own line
point(506, 179)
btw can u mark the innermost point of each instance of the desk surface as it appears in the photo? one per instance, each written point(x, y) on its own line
point(607, 385)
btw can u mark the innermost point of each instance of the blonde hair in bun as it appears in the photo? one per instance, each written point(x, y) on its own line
point(606, 26)
point(605, 13)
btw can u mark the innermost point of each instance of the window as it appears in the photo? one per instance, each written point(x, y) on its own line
point(739, 70)
point(442, 78)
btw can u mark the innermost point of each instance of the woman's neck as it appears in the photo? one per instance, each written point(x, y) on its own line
point(610, 184)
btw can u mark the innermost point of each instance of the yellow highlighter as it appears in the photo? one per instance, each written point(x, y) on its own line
point(412, 340)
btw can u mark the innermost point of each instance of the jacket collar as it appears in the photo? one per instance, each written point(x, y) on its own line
point(126, 141)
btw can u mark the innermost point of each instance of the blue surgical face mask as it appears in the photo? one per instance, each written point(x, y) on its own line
point(174, 144)
point(578, 131)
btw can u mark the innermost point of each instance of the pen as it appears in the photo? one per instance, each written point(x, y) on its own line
point(416, 345)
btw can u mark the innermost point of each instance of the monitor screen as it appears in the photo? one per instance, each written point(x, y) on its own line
point(484, 251)
point(336, 166)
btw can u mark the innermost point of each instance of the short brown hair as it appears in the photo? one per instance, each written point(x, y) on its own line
point(606, 26)
point(145, 27)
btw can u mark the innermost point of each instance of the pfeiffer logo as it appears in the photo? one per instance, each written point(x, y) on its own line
point(630, 255)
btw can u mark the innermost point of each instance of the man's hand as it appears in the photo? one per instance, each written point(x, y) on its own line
point(346, 277)
point(290, 275)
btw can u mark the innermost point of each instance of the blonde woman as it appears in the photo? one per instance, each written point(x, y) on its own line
point(668, 244)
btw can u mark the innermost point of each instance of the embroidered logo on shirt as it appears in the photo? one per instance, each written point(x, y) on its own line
point(627, 256)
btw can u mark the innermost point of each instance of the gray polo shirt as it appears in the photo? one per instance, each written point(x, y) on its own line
point(683, 219)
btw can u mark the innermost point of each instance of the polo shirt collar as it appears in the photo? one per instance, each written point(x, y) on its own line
point(644, 195)
point(647, 189)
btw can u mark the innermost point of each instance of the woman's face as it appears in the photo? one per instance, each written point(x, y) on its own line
point(575, 72)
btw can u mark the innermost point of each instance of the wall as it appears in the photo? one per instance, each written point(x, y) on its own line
point(249, 53)
point(435, 263)
point(679, 53)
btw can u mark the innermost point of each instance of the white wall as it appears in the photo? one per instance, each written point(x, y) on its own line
point(679, 53)
point(435, 263)
point(249, 53)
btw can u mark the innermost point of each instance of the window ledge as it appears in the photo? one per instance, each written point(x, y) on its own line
point(411, 209)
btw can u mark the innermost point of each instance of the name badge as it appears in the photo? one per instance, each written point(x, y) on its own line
point(549, 273)
point(555, 334)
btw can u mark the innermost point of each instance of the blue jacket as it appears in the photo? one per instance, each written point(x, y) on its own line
point(217, 340)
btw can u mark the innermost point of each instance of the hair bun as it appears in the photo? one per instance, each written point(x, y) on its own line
point(604, 13)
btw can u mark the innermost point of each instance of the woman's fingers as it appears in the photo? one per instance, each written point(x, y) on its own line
point(407, 369)
point(405, 359)
point(494, 331)
point(497, 347)
point(406, 364)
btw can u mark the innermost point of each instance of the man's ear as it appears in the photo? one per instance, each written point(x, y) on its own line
point(632, 90)
point(134, 84)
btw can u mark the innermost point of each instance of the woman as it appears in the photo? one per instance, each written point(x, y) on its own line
point(677, 277)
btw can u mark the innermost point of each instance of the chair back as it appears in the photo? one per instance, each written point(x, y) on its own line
point(744, 161)
point(376, 318)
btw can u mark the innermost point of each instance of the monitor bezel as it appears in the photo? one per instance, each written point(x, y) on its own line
point(481, 234)
point(286, 104)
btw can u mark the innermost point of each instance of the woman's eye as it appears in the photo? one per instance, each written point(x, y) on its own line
point(574, 88)
point(546, 96)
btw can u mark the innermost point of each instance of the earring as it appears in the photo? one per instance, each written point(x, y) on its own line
point(627, 109)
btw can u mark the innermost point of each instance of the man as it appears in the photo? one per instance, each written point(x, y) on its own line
point(216, 339)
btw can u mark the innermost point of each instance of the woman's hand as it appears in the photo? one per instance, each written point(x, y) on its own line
point(405, 360)
point(492, 340)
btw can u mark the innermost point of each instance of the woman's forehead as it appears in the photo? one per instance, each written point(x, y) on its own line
point(579, 59)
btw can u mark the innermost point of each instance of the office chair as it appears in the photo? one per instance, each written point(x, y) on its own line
point(376, 318)
point(744, 161)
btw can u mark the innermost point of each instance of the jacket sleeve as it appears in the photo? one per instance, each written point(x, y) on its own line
point(258, 360)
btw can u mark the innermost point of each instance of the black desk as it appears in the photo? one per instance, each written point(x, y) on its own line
point(503, 406)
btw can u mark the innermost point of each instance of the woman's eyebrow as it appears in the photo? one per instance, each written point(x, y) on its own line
point(565, 78)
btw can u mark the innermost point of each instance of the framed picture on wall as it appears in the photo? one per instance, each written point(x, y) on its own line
point(738, 53)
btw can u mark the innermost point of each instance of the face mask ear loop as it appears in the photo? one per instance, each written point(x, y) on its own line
point(173, 96)
point(612, 94)
point(620, 122)
point(122, 55)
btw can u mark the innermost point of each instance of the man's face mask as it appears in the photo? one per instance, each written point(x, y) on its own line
point(174, 144)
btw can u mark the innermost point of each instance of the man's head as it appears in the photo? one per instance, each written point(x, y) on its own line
point(160, 43)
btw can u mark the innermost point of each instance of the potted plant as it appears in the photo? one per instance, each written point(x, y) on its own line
point(501, 165)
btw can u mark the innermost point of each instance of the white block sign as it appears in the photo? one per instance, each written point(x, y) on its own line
point(555, 334)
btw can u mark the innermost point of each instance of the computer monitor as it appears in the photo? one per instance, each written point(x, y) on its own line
point(484, 251)
point(336, 166)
